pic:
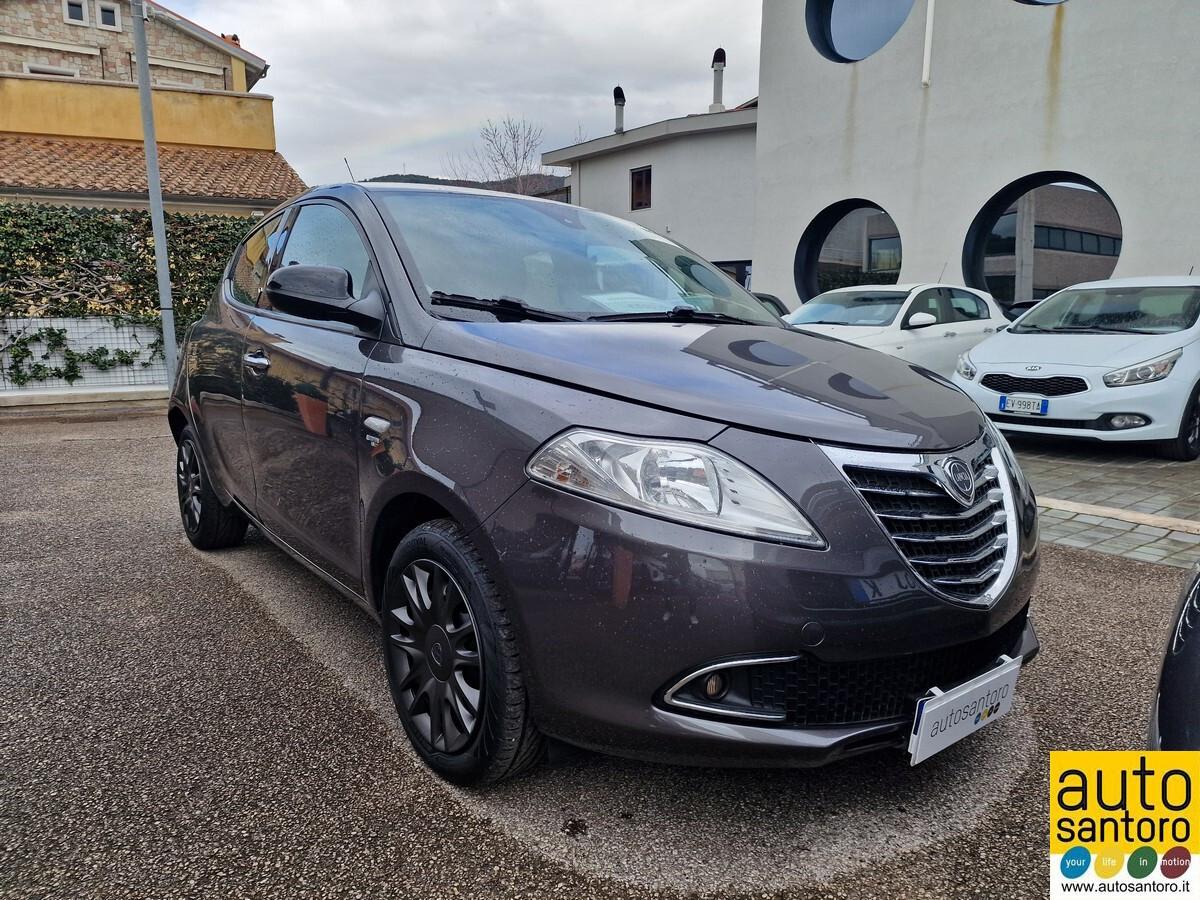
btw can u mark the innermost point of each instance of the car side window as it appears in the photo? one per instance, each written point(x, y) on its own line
point(929, 301)
point(966, 307)
point(252, 265)
point(323, 235)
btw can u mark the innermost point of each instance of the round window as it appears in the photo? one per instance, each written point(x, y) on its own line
point(850, 30)
point(851, 242)
point(1042, 233)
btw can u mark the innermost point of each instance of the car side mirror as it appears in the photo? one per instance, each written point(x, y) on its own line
point(322, 293)
point(921, 320)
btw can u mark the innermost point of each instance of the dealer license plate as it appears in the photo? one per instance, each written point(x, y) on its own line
point(1027, 406)
point(946, 717)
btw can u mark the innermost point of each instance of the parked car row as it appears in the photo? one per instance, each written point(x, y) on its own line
point(1115, 360)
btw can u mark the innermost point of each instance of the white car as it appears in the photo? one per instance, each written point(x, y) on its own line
point(926, 324)
point(1116, 360)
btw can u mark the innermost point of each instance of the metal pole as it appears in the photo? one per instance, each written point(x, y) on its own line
point(154, 184)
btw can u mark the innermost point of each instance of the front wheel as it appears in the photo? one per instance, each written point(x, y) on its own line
point(452, 660)
point(1187, 445)
point(208, 524)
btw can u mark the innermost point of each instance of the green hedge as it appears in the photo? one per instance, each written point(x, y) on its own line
point(69, 261)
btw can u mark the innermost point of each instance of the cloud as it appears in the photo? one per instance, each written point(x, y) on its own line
point(398, 86)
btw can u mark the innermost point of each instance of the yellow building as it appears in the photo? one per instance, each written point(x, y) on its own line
point(70, 122)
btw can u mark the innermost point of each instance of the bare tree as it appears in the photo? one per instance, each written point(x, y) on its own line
point(508, 151)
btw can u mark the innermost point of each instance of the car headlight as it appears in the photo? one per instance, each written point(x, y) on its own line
point(684, 482)
point(964, 367)
point(1144, 373)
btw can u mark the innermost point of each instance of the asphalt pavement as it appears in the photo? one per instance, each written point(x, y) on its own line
point(178, 724)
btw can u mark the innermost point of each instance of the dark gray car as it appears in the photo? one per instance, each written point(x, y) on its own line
point(593, 490)
point(1175, 713)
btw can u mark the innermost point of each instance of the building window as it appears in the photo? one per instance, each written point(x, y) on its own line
point(885, 254)
point(1072, 241)
point(108, 15)
point(75, 12)
point(851, 30)
point(639, 188)
point(61, 71)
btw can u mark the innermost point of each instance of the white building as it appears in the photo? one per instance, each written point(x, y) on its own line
point(944, 115)
point(691, 178)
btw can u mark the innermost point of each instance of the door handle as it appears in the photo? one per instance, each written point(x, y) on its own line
point(256, 360)
point(374, 428)
point(950, 334)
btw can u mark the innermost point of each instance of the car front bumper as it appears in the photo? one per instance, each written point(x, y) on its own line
point(1083, 415)
point(612, 607)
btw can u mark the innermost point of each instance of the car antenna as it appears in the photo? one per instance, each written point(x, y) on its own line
point(1192, 269)
point(943, 275)
point(348, 169)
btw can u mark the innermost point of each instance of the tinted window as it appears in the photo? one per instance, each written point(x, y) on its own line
point(253, 261)
point(928, 302)
point(325, 236)
point(967, 307)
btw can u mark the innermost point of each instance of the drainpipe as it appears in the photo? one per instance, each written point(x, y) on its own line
point(927, 65)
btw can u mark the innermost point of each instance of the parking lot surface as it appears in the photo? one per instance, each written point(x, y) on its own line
point(180, 724)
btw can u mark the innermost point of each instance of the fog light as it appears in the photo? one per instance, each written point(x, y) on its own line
point(1126, 420)
point(715, 686)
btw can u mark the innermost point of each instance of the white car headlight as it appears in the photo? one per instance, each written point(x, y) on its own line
point(684, 482)
point(1144, 373)
point(965, 368)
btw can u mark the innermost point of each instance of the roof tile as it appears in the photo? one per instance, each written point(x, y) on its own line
point(33, 162)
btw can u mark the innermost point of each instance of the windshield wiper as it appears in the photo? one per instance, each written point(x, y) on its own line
point(681, 313)
point(509, 308)
point(1080, 329)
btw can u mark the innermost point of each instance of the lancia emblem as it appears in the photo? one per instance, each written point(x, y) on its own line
point(1033, 368)
point(959, 480)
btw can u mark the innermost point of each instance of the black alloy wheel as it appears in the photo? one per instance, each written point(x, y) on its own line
point(208, 523)
point(188, 481)
point(435, 652)
point(453, 664)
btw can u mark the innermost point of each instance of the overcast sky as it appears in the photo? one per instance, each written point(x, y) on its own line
point(397, 85)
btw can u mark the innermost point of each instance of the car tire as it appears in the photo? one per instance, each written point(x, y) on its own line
point(1187, 445)
point(208, 524)
point(452, 660)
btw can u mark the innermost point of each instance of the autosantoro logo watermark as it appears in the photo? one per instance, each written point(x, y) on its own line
point(1124, 822)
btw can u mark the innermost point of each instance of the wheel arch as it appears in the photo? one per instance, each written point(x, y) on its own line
point(177, 420)
point(412, 503)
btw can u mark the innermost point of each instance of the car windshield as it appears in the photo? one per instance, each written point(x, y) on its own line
point(557, 258)
point(1115, 310)
point(849, 308)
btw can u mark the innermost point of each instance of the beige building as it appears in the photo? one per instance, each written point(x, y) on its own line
point(70, 122)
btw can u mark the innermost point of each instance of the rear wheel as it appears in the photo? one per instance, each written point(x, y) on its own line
point(208, 524)
point(452, 660)
point(1187, 445)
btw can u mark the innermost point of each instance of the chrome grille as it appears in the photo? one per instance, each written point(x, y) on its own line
point(965, 552)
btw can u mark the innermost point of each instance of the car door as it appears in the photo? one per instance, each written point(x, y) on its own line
point(302, 393)
point(215, 363)
point(933, 346)
point(972, 319)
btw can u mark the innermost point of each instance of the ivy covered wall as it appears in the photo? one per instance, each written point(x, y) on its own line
point(59, 261)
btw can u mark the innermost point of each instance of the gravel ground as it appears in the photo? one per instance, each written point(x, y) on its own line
point(178, 724)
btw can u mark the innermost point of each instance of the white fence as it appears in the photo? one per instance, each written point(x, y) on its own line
point(147, 367)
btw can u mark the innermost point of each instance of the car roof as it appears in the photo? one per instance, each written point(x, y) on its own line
point(901, 288)
point(1144, 281)
point(381, 187)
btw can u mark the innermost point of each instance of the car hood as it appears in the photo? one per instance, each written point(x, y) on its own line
point(761, 377)
point(1106, 351)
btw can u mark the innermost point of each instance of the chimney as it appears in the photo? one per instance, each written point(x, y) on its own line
point(718, 67)
point(619, 103)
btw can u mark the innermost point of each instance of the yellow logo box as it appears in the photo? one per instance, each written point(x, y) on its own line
point(1124, 800)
